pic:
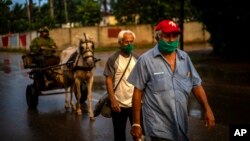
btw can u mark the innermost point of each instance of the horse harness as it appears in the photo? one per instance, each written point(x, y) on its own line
point(82, 52)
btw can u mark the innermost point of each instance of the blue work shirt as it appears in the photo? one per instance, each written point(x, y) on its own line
point(165, 93)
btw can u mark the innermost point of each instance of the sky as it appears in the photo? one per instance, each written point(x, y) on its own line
point(24, 1)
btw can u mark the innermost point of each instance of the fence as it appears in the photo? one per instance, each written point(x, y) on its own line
point(102, 36)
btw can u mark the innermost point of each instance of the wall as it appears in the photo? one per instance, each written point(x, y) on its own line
point(193, 32)
point(102, 36)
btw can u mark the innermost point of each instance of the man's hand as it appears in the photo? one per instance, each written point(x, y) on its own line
point(115, 105)
point(209, 119)
point(45, 50)
point(53, 48)
point(43, 47)
point(136, 133)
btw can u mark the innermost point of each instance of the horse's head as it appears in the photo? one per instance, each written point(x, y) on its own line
point(86, 49)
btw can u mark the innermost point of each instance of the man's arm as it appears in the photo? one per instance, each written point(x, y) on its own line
point(200, 95)
point(114, 104)
point(136, 130)
point(52, 44)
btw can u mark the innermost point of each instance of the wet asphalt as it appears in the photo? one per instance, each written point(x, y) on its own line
point(52, 122)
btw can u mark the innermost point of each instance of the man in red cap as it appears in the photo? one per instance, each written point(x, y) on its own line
point(163, 78)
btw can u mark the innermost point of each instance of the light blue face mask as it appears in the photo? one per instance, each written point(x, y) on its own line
point(167, 47)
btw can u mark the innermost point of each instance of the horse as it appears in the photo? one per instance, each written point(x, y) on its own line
point(80, 67)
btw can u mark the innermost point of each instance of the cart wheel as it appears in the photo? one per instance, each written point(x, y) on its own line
point(31, 96)
point(84, 92)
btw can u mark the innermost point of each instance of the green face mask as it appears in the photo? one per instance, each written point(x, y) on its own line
point(167, 47)
point(128, 48)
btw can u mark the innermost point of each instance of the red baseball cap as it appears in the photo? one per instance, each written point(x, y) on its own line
point(168, 26)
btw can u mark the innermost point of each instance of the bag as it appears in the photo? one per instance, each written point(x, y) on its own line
point(106, 109)
point(103, 106)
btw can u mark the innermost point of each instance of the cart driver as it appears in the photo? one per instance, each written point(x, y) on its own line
point(44, 49)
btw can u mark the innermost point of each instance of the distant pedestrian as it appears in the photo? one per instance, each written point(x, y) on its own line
point(163, 78)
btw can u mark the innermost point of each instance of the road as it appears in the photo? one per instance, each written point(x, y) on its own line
point(52, 122)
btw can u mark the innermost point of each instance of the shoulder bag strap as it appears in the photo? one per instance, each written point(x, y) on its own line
point(123, 72)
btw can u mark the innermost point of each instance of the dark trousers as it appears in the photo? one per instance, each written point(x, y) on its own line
point(159, 139)
point(119, 123)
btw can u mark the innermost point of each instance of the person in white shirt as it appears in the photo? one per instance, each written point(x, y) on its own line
point(121, 97)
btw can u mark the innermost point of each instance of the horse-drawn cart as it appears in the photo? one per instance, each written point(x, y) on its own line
point(74, 71)
point(40, 85)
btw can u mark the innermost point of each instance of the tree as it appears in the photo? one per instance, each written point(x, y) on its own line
point(30, 7)
point(125, 10)
point(89, 12)
point(150, 11)
point(66, 11)
point(29, 16)
point(51, 7)
point(4, 14)
point(18, 19)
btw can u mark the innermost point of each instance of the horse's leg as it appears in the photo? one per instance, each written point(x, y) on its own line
point(78, 96)
point(67, 98)
point(62, 79)
point(90, 85)
point(73, 107)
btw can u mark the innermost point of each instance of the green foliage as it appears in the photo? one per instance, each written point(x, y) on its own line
point(150, 11)
point(18, 19)
point(155, 11)
point(89, 11)
point(15, 18)
point(72, 10)
point(20, 25)
point(4, 16)
point(125, 10)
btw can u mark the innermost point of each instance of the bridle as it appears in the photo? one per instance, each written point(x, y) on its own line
point(85, 52)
